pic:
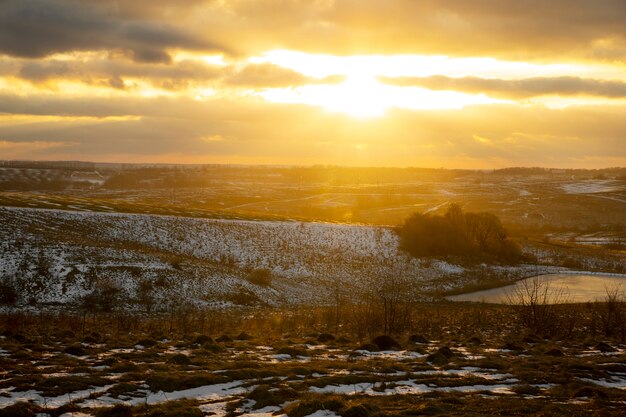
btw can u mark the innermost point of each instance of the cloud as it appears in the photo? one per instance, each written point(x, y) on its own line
point(532, 29)
point(102, 67)
point(249, 131)
point(37, 28)
point(517, 88)
point(129, 45)
point(30, 149)
point(38, 71)
point(505, 28)
point(117, 82)
point(119, 73)
point(146, 30)
point(267, 75)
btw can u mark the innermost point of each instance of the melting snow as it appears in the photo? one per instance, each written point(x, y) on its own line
point(323, 413)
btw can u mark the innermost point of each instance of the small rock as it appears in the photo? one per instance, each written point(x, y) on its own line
point(512, 346)
point(437, 358)
point(416, 338)
point(202, 339)
point(369, 347)
point(244, 336)
point(180, 359)
point(385, 342)
point(475, 341)
point(325, 338)
point(446, 351)
point(441, 357)
point(605, 347)
point(555, 352)
point(74, 350)
point(589, 392)
point(146, 343)
point(531, 339)
point(224, 339)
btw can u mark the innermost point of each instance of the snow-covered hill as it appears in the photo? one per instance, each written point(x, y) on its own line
point(52, 256)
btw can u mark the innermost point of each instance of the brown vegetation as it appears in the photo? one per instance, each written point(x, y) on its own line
point(456, 233)
point(440, 343)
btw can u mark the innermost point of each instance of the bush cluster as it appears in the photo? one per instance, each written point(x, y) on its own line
point(457, 233)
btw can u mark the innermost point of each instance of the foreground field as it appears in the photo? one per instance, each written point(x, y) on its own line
point(250, 367)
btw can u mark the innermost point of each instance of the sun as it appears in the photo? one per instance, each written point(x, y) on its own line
point(364, 96)
point(360, 96)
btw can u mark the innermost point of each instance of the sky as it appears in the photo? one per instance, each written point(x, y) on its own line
point(431, 83)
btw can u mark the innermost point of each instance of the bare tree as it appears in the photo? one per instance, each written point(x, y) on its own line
point(612, 312)
point(337, 288)
point(392, 296)
point(537, 300)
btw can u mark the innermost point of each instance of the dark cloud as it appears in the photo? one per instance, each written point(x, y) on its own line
point(161, 75)
point(145, 29)
point(141, 9)
point(102, 67)
point(517, 88)
point(37, 28)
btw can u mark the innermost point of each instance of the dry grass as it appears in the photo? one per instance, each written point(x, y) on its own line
point(470, 337)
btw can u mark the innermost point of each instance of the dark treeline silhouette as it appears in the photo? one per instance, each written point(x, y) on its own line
point(456, 233)
point(603, 173)
point(189, 176)
point(48, 184)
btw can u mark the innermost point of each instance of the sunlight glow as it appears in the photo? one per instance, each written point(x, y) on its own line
point(320, 66)
point(364, 96)
point(558, 102)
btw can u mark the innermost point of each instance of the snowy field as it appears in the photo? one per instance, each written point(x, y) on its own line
point(55, 256)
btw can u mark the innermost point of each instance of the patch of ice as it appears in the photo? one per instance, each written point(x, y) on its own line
point(214, 392)
point(323, 413)
point(409, 387)
point(281, 357)
point(54, 402)
point(217, 409)
point(268, 411)
point(590, 187)
point(614, 382)
point(398, 355)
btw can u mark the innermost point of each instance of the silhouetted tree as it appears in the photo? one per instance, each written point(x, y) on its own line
point(457, 234)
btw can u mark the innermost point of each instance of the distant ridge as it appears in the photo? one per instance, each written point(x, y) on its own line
point(513, 170)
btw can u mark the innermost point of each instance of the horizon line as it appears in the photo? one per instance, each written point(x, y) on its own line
point(3, 163)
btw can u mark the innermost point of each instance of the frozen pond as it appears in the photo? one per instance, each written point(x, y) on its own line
point(561, 288)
